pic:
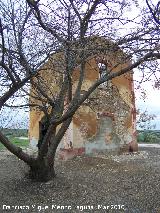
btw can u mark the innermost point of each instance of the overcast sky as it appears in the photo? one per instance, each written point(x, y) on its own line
point(152, 101)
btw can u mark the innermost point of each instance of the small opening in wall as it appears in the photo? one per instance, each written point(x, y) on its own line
point(98, 115)
point(102, 69)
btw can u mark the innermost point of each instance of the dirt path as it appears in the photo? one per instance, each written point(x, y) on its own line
point(127, 183)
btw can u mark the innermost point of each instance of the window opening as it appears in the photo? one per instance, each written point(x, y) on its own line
point(102, 69)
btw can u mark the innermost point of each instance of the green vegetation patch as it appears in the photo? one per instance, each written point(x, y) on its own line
point(14, 135)
point(148, 136)
point(17, 141)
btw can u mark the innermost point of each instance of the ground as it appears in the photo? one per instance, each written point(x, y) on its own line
point(129, 183)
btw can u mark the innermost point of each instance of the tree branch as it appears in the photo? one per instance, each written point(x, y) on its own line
point(154, 13)
point(15, 150)
point(73, 107)
point(34, 5)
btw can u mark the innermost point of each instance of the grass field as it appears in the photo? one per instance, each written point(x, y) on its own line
point(17, 141)
point(15, 135)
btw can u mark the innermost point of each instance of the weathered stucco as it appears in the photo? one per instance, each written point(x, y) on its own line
point(107, 119)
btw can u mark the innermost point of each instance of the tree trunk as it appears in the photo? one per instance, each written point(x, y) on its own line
point(42, 170)
point(42, 167)
point(16, 150)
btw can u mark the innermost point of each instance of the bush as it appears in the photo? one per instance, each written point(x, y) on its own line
point(148, 136)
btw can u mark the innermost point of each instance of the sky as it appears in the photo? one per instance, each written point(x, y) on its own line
point(151, 102)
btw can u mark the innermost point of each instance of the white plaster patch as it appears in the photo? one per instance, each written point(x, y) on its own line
point(33, 143)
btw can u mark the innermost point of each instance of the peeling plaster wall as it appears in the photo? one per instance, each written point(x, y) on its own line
point(107, 122)
point(104, 139)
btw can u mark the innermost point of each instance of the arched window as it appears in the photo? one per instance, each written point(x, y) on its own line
point(102, 69)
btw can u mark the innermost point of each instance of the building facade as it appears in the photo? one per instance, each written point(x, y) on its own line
point(106, 122)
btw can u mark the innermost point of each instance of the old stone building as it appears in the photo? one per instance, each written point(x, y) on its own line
point(106, 121)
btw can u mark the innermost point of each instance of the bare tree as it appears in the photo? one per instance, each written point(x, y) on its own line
point(33, 31)
point(145, 119)
point(154, 10)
